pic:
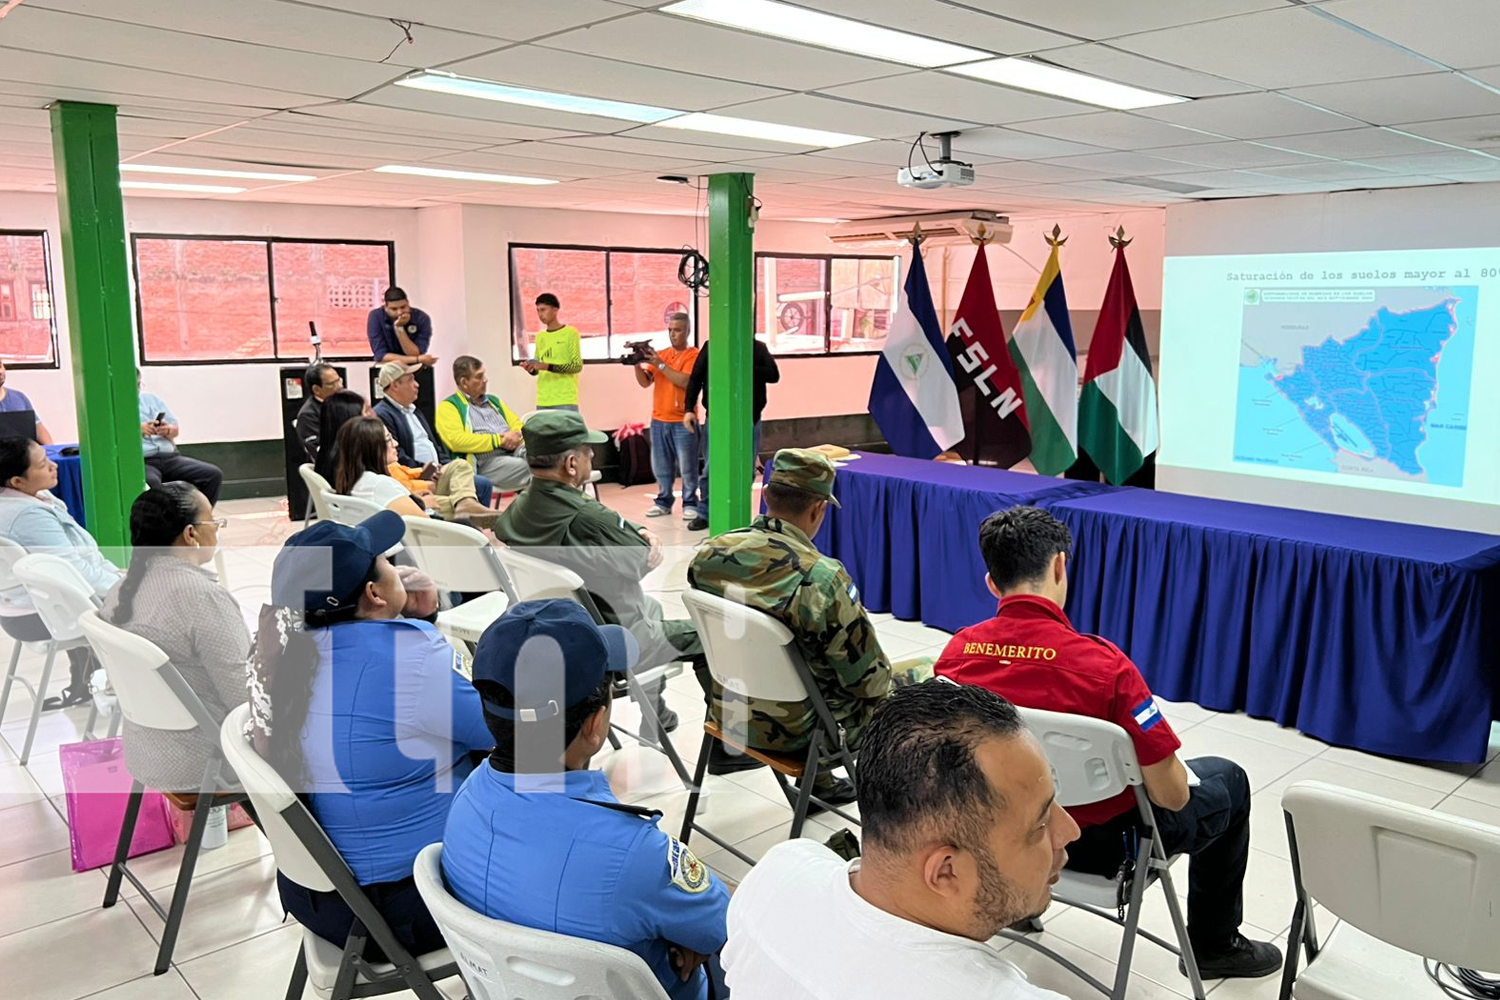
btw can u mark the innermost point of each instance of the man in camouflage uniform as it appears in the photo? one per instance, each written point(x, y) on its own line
point(773, 566)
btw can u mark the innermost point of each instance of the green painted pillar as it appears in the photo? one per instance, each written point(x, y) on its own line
point(731, 297)
point(86, 154)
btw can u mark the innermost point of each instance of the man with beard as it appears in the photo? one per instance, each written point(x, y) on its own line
point(963, 837)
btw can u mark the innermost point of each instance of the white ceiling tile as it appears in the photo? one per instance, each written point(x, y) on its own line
point(807, 163)
point(1459, 33)
point(427, 102)
point(663, 147)
point(558, 153)
point(1275, 49)
point(383, 121)
point(1093, 19)
point(1009, 173)
point(575, 73)
point(763, 147)
point(341, 144)
point(229, 149)
point(1444, 162)
point(1138, 71)
point(1251, 116)
point(1230, 155)
point(1403, 99)
point(1123, 165)
point(517, 19)
point(318, 133)
point(694, 47)
point(936, 19)
point(1008, 144)
point(946, 95)
point(1477, 132)
point(1354, 143)
point(61, 78)
point(1325, 170)
point(303, 28)
point(1489, 75)
point(1116, 130)
point(504, 161)
point(812, 111)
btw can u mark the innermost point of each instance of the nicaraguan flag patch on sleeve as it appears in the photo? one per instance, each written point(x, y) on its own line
point(1146, 714)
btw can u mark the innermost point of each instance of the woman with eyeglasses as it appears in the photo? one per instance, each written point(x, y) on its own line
point(170, 597)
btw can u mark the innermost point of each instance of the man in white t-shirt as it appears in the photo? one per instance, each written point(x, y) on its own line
point(963, 837)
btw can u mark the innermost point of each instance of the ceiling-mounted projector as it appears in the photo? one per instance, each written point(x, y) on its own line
point(945, 171)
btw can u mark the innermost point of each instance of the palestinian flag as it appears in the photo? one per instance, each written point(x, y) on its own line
point(1117, 412)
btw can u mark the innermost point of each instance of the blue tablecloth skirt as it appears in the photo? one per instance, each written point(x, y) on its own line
point(69, 487)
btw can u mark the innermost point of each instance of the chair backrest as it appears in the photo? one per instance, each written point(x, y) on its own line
point(137, 669)
point(500, 960)
point(748, 651)
point(1092, 759)
point(349, 510)
point(272, 798)
point(456, 556)
point(1423, 881)
point(11, 592)
point(58, 592)
point(318, 488)
point(536, 579)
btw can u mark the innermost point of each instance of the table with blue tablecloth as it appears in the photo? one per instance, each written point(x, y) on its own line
point(69, 487)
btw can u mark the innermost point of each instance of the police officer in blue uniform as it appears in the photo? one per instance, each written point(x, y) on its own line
point(535, 837)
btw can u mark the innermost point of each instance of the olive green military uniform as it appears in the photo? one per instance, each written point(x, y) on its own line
point(772, 566)
point(574, 530)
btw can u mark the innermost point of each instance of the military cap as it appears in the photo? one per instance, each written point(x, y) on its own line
point(806, 470)
point(552, 432)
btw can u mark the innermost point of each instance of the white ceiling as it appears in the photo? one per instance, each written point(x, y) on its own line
point(1291, 96)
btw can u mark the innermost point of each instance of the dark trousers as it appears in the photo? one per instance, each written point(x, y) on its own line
point(179, 468)
point(1213, 829)
point(328, 916)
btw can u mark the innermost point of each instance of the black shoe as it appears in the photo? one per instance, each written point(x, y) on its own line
point(1244, 959)
point(699, 523)
point(67, 699)
point(722, 761)
point(1029, 925)
point(840, 793)
point(668, 719)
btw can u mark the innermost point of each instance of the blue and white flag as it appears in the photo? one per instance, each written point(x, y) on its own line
point(914, 397)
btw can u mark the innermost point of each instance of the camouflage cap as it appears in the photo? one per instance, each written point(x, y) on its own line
point(552, 432)
point(806, 470)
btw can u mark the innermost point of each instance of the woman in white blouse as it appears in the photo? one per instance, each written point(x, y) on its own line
point(366, 458)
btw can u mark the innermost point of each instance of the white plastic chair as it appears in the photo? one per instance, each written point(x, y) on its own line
point(459, 558)
point(348, 510)
point(500, 960)
point(152, 694)
point(317, 489)
point(305, 855)
point(1421, 881)
point(58, 594)
point(754, 656)
point(1094, 760)
point(534, 579)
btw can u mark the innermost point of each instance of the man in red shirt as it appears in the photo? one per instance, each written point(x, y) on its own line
point(1030, 654)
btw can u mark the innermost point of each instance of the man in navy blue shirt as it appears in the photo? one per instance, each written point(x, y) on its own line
point(537, 838)
point(398, 332)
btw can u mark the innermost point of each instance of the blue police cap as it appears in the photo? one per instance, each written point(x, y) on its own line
point(543, 651)
point(323, 567)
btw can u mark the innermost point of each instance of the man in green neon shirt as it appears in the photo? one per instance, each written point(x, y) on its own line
point(556, 359)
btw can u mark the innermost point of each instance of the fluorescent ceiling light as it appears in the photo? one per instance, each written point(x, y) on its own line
point(1043, 78)
point(249, 175)
point(460, 175)
point(197, 188)
point(749, 129)
point(810, 27)
point(447, 83)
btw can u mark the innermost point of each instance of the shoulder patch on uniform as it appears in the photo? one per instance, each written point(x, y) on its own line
point(853, 591)
point(686, 871)
point(1146, 714)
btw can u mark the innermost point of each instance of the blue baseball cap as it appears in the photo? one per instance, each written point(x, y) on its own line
point(543, 651)
point(324, 567)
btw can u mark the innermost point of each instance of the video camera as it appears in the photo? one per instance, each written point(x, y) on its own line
point(637, 352)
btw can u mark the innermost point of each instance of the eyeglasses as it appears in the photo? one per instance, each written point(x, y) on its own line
point(218, 522)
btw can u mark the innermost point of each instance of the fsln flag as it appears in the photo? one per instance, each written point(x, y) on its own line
point(913, 397)
point(1042, 348)
point(1117, 411)
point(989, 386)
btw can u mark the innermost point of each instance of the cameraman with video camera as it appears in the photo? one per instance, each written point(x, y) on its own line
point(674, 447)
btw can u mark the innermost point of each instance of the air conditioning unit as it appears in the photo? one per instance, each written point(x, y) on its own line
point(937, 227)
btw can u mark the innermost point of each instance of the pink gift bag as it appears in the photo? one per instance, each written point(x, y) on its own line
point(98, 786)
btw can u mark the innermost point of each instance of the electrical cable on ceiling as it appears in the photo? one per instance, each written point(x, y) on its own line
point(692, 270)
point(916, 145)
point(405, 27)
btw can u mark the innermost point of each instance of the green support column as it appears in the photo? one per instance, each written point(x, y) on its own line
point(86, 155)
point(731, 290)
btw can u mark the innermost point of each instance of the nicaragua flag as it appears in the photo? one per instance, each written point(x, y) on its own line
point(914, 399)
point(1117, 412)
point(1042, 347)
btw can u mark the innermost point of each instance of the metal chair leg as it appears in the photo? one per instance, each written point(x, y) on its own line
point(1132, 919)
point(298, 983)
point(1184, 945)
point(114, 723)
point(122, 848)
point(614, 741)
point(804, 789)
point(184, 882)
point(699, 771)
point(36, 703)
point(10, 677)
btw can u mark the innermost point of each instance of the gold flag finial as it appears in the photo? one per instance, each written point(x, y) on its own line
point(916, 235)
point(1057, 239)
point(982, 239)
point(1118, 240)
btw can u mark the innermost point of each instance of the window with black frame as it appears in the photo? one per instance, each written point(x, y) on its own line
point(825, 304)
point(28, 327)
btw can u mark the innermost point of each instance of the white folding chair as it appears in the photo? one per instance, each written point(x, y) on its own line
point(153, 695)
point(1421, 881)
point(753, 656)
point(459, 558)
point(317, 489)
point(305, 855)
point(1093, 760)
point(348, 510)
point(58, 594)
point(500, 960)
point(534, 579)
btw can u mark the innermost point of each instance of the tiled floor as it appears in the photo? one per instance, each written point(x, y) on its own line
point(57, 944)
